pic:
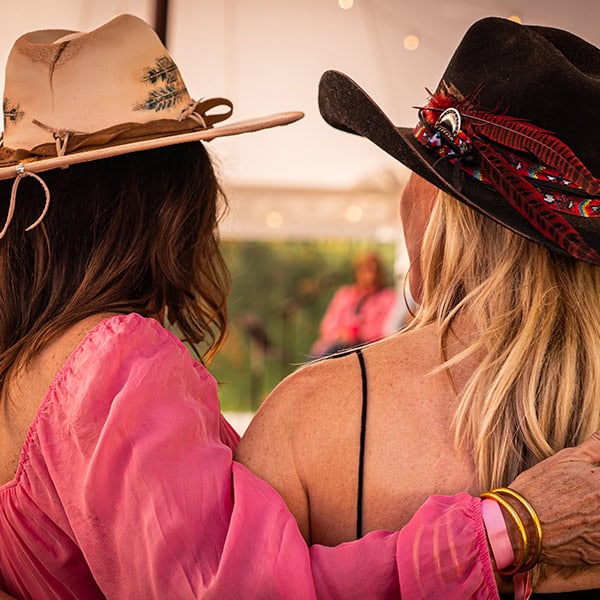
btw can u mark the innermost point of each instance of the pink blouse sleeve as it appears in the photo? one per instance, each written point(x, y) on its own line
point(441, 553)
point(152, 498)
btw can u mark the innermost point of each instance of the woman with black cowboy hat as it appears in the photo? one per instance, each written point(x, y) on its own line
point(500, 368)
point(116, 472)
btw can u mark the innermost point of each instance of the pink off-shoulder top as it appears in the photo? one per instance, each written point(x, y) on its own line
point(126, 489)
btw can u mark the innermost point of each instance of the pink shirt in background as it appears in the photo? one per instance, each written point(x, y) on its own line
point(126, 489)
point(354, 317)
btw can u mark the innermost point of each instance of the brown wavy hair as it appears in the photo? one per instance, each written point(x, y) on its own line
point(134, 233)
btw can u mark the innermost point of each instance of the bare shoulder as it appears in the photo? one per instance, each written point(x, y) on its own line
point(30, 384)
point(50, 359)
point(292, 434)
point(304, 440)
point(304, 400)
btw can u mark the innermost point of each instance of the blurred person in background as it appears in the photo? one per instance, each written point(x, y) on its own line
point(357, 313)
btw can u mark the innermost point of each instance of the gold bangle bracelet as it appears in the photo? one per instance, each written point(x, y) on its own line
point(536, 523)
point(519, 523)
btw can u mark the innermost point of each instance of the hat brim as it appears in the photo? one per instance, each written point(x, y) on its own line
point(38, 165)
point(346, 106)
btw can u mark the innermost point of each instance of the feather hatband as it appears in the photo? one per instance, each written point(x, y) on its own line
point(536, 173)
point(559, 192)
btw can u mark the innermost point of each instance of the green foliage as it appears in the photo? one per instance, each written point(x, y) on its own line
point(280, 291)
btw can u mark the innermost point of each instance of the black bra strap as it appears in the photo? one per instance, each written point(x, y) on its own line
point(361, 456)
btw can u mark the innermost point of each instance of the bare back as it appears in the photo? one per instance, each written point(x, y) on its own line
point(304, 441)
point(308, 433)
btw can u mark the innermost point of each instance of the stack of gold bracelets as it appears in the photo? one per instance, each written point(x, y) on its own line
point(530, 549)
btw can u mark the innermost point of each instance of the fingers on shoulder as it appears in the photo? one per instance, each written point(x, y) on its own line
point(590, 449)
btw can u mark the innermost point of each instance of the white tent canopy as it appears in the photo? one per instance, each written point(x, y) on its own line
point(268, 55)
point(275, 212)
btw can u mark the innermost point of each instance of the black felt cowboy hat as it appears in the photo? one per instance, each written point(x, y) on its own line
point(512, 130)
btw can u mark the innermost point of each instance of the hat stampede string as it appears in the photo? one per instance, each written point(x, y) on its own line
point(195, 109)
point(22, 173)
point(51, 116)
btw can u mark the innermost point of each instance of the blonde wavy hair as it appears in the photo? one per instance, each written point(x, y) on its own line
point(536, 317)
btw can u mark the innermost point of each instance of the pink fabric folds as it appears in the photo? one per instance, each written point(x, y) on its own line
point(126, 489)
point(448, 555)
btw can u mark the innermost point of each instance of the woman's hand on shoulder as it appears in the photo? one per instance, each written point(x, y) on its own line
point(565, 491)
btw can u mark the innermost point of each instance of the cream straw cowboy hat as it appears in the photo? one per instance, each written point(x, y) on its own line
point(72, 97)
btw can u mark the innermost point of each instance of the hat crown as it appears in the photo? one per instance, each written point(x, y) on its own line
point(66, 81)
point(544, 75)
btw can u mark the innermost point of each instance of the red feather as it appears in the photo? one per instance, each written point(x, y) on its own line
point(521, 135)
point(530, 203)
point(438, 103)
point(512, 132)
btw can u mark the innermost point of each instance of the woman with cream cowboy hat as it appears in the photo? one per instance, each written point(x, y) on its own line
point(500, 369)
point(117, 474)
